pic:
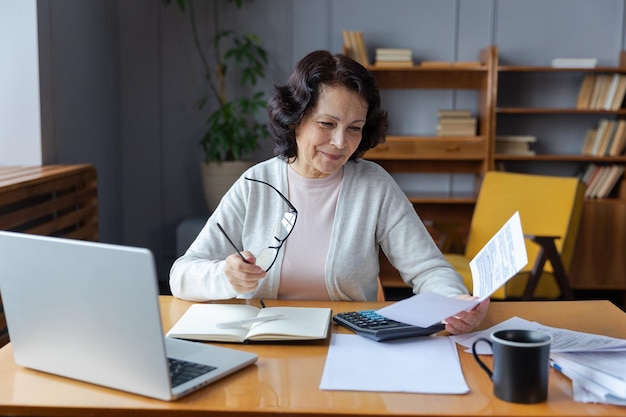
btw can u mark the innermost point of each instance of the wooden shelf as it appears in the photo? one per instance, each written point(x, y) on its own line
point(523, 68)
point(562, 158)
point(442, 154)
point(603, 220)
point(548, 111)
point(471, 148)
point(417, 77)
point(598, 262)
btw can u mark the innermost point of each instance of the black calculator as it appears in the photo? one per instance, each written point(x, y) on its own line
point(370, 324)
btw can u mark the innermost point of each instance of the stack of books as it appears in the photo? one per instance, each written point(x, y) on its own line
point(601, 179)
point(354, 46)
point(515, 144)
point(456, 123)
point(394, 57)
point(602, 92)
point(608, 139)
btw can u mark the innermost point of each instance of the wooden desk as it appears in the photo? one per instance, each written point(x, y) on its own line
point(285, 380)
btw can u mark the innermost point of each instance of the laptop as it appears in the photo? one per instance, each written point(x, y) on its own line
point(89, 311)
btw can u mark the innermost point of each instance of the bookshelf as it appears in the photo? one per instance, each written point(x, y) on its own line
point(556, 116)
point(513, 100)
point(448, 154)
point(441, 154)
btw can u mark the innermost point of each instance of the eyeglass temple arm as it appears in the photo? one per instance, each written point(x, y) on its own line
point(231, 242)
point(275, 189)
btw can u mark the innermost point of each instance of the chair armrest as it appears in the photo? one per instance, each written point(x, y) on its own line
point(548, 252)
point(451, 240)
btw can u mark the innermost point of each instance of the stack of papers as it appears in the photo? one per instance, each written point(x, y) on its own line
point(596, 364)
point(598, 377)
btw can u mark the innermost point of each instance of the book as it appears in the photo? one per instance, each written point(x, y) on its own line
point(620, 92)
point(602, 127)
point(574, 62)
point(202, 322)
point(595, 182)
point(456, 123)
point(588, 141)
point(613, 174)
point(601, 92)
point(610, 96)
point(361, 49)
point(393, 54)
point(393, 57)
point(601, 180)
point(607, 369)
point(586, 173)
point(456, 64)
point(584, 94)
point(354, 46)
point(606, 138)
point(454, 113)
point(515, 144)
point(619, 139)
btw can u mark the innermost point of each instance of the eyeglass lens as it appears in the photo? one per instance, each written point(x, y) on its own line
point(266, 258)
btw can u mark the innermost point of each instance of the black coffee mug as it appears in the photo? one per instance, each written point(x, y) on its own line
point(520, 365)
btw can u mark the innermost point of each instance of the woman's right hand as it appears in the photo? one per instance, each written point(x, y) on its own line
point(243, 276)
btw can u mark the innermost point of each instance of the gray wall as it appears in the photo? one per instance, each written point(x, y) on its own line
point(119, 80)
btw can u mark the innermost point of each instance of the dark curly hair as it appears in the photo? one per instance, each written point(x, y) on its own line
point(300, 94)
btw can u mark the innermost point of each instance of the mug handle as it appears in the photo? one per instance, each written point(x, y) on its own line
point(482, 365)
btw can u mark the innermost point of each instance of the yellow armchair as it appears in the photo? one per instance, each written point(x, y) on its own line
point(550, 210)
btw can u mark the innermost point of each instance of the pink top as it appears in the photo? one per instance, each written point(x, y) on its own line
point(304, 265)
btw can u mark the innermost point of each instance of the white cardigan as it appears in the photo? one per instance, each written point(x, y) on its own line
point(372, 212)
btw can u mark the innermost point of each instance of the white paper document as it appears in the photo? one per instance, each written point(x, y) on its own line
point(426, 309)
point(597, 377)
point(497, 262)
point(419, 365)
point(563, 340)
point(500, 259)
point(587, 391)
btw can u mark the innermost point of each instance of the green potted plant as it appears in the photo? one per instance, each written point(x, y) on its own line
point(232, 65)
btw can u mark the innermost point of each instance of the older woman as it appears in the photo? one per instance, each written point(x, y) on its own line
point(311, 221)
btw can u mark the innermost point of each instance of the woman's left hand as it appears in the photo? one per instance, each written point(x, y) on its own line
point(466, 321)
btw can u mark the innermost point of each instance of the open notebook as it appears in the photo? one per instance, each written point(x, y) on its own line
point(242, 323)
point(89, 311)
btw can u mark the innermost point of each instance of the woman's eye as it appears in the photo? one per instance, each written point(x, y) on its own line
point(326, 124)
point(355, 129)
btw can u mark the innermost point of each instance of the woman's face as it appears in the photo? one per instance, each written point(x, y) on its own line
point(330, 133)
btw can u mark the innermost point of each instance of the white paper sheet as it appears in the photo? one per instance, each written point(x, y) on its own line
point(497, 262)
point(426, 309)
point(500, 259)
point(563, 340)
point(419, 365)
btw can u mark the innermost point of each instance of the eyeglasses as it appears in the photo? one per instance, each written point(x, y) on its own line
point(267, 257)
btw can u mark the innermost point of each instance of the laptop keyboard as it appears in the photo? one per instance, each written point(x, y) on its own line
point(183, 371)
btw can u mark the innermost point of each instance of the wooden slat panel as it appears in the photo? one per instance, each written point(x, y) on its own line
point(40, 199)
point(53, 200)
point(86, 196)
